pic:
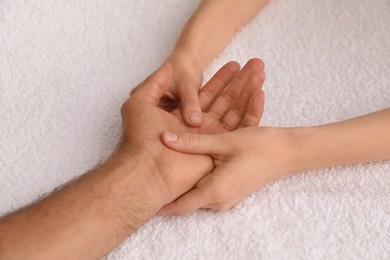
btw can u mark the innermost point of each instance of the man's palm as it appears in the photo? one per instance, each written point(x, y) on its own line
point(224, 109)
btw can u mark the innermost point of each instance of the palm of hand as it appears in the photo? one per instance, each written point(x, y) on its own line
point(143, 123)
point(230, 100)
point(224, 110)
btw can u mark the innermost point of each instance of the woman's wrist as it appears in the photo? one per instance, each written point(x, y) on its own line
point(313, 148)
point(294, 147)
point(186, 68)
point(185, 53)
point(280, 148)
point(301, 152)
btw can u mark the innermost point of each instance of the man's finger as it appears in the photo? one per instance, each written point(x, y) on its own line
point(195, 143)
point(132, 92)
point(217, 84)
point(156, 85)
point(234, 116)
point(222, 105)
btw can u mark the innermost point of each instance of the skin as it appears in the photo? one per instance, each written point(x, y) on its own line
point(198, 45)
point(247, 159)
point(90, 216)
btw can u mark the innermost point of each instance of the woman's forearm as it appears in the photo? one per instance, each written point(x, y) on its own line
point(204, 36)
point(213, 25)
point(358, 140)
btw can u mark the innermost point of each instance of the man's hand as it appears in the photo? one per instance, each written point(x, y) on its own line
point(184, 88)
point(230, 99)
point(90, 216)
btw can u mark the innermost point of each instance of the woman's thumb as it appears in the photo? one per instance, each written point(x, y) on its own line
point(192, 143)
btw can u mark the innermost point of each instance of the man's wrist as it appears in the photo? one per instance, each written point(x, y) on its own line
point(92, 214)
point(131, 176)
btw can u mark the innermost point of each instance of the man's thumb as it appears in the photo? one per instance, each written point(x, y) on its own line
point(157, 83)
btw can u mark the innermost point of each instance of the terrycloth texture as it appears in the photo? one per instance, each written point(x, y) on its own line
point(66, 67)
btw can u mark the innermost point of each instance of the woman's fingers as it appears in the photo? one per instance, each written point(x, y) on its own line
point(217, 84)
point(212, 192)
point(187, 203)
point(189, 100)
point(235, 115)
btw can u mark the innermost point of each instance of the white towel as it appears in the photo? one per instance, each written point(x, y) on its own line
point(66, 67)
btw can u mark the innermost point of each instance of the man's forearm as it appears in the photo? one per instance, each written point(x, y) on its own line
point(84, 220)
point(358, 140)
point(213, 25)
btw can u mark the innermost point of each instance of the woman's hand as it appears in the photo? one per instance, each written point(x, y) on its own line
point(204, 36)
point(183, 92)
point(249, 158)
point(245, 160)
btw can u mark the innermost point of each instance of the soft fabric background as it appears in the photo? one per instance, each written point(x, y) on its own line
point(66, 66)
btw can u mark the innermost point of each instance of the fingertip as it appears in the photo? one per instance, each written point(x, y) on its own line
point(233, 66)
point(169, 137)
point(191, 111)
point(172, 210)
point(166, 210)
point(194, 119)
point(257, 63)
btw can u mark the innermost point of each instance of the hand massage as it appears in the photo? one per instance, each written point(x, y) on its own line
point(186, 147)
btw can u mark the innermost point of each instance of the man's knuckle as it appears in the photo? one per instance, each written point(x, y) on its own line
point(124, 107)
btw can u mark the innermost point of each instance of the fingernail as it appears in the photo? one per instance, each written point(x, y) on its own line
point(194, 117)
point(170, 137)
